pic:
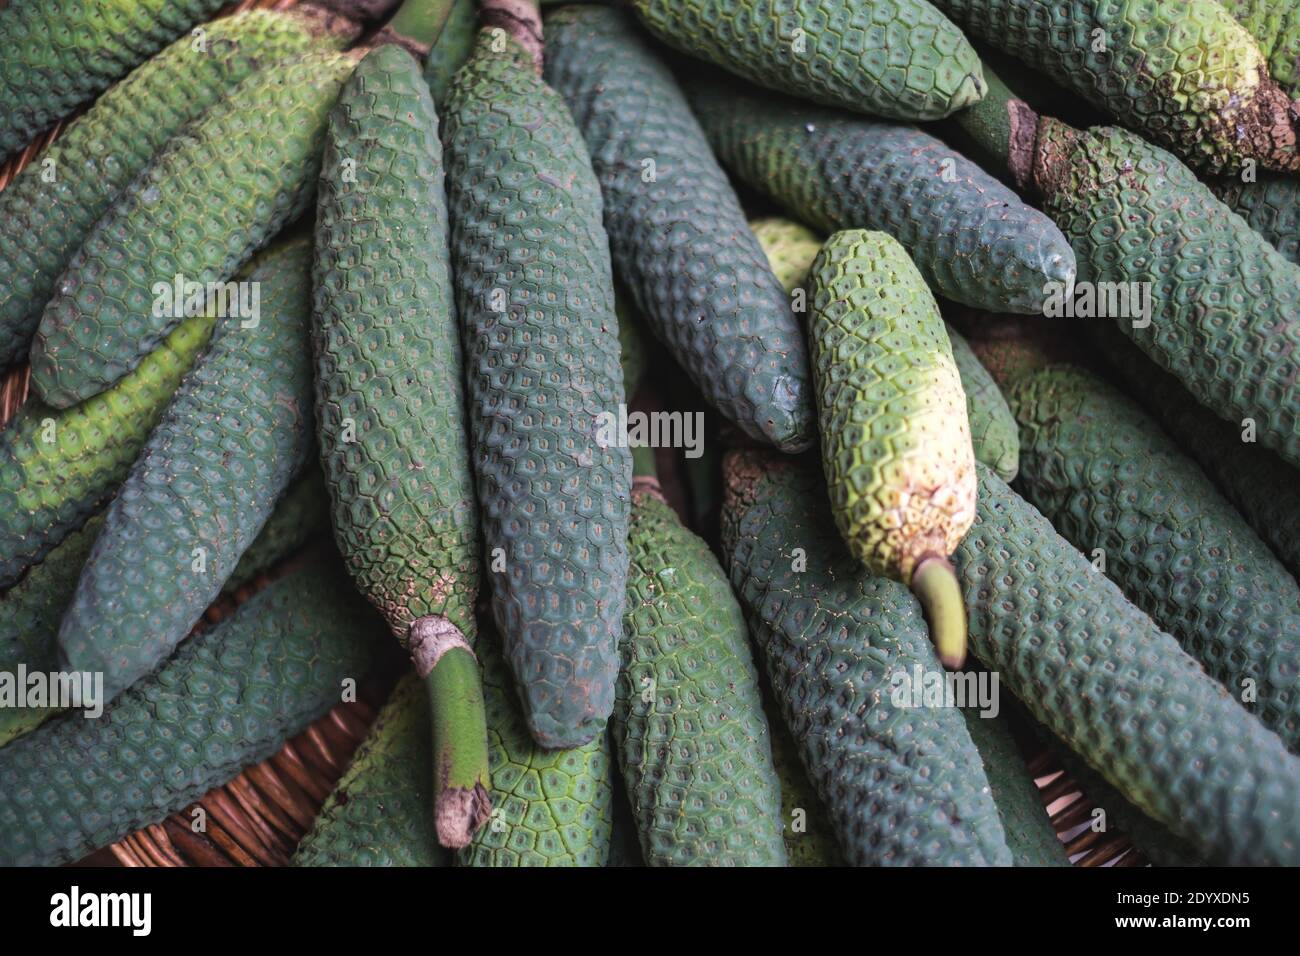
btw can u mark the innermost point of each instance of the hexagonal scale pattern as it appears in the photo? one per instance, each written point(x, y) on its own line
point(689, 728)
point(210, 198)
point(973, 239)
point(1183, 72)
point(390, 397)
point(60, 53)
point(1121, 692)
point(228, 698)
point(897, 58)
point(238, 430)
point(1225, 316)
point(549, 807)
point(679, 238)
point(536, 299)
point(903, 786)
point(1108, 478)
point(43, 223)
point(896, 445)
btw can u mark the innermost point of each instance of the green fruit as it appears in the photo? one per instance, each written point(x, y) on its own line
point(1106, 680)
point(536, 300)
point(1113, 483)
point(992, 426)
point(1224, 303)
point(1270, 204)
point(299, 514)
point(1180, 71)
point(31, 610)
point(689, 728)
point(549, 807)
point(972, 238)
point(228, 698)
point(57, 468)
point(1276, 25)
point(61, 53)
point(210, 198)
point(452, 49)
point(903, 785)
point(677, 233)
point(897, 58)
point(30, 613)
point(378, 813)
point(1030, 835)
point(809, 840)
point(42, 223)
point(895, 437)
point(391, 406)
point(790, 249)
point(1257, 482)
point(210, 474)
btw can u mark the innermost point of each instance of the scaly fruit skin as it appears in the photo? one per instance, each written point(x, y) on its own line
point(58, 467)
point(1257, 482)
point(972, 238)
point(834, 638)
point(1270, 204)
point(228, 698)
point(1029, 832)
point(390, 402)
point(1275, 24)
point(452, 49)
point(60, 53)
point(389, 395)
point(814, 845)
point(527, 239)
point(679, 240)
point(210, 474)
point(689, 728)
point(1225, 303)
point(210, 198)
point(1180, 71)
point(1106, 680)
point(896, 445)
point(549, 807)
point(30, 612)
point(897, 58)
point(1108, 478)
point(300, 513)
point(790, 249)
point(43, 223)
point(378, 813)
point(992, 426)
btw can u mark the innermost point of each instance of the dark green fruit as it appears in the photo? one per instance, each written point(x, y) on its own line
point(536, 299)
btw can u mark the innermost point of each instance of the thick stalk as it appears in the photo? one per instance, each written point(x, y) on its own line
point(934, 582)
point(417, 25)
point(1005, 126)
point(450, 670)
point(522, 19)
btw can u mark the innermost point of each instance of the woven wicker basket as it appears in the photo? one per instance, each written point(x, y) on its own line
point(258, 817)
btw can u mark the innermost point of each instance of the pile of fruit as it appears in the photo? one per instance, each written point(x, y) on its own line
point(360, 310)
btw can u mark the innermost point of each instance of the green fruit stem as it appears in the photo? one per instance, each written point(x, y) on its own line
point(1005, 126)
point(443, 658)
point(643, 464)
point(934, 582)
point(417, 24)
